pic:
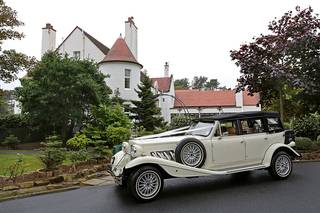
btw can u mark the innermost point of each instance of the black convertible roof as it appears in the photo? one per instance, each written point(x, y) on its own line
point(240, 115)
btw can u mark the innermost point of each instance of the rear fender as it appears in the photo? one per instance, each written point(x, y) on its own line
point(275, 148)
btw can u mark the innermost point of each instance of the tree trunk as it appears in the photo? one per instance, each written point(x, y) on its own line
point(281, 103)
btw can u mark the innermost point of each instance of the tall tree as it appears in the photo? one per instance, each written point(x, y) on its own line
point(212, 84)
point(198, 82)
point(59, 91)
point(146, 112)
point(11, 61)
point(288, 56)
point(182, 83)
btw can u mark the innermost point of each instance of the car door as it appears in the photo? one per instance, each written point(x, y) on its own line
point(228, 148)
point(255, 138)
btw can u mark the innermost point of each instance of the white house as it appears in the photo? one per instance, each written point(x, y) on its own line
point(121, 64)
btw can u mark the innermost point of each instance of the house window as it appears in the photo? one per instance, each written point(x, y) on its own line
point(76, 54)
point(127, 74)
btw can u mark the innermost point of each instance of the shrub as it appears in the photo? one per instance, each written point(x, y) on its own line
point(16, 169)
point(11, 141)
point(307, 126)
point(303, 143)
point(52, 155)
point(110, 125)
point(117, 135)
point(79, 156)
point(102, 152)
point(78, 142)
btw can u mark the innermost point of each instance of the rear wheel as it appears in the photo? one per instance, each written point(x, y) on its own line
point(146, 183)
point(281, 166)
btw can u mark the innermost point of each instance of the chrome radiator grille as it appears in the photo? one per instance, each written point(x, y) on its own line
point(168, 155)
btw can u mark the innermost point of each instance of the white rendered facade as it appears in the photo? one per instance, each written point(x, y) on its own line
point(116, 81)
point(78, 43)
point(166, 101)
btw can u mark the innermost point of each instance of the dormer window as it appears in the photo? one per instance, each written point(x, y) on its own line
point(127, 75)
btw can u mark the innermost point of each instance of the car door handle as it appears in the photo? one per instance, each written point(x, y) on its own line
point(266, 138)
point(241, 141)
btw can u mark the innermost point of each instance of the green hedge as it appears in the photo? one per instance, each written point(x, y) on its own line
point(307, 126)
point(303, 143)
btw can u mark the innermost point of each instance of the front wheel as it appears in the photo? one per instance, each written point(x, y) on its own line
point(146, 183)
point(281, 166)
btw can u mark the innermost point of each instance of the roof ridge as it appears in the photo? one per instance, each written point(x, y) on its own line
point(103, 48)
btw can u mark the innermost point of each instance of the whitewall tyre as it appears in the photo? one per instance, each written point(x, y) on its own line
point(190, 152)
point(146, 183)
point(281, 166)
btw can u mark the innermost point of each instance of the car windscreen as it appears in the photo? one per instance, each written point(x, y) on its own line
point(201, 128)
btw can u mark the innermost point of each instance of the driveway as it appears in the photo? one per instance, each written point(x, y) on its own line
point(256, 193)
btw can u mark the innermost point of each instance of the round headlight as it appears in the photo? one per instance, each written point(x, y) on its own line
point(135, 151)
point(125, 147)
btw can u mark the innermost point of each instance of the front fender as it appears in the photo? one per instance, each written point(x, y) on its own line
point(274, 148)
point(172, 168)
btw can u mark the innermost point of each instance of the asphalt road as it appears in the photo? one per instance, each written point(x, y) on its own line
point(256, 193)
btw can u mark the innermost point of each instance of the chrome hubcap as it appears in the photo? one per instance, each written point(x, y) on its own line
point(148, 184)
point(191, 154)
point(283, 165)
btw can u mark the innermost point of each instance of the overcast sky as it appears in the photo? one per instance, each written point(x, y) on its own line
point(195, 37)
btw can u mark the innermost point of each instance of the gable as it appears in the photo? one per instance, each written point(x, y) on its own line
point(87, 45)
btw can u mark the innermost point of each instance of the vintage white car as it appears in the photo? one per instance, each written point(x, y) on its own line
point(218, 145)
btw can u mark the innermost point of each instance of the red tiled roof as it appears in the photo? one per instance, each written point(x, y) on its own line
point(226, 98)
point(163, 83)
point(250, 100)
point(120, 52)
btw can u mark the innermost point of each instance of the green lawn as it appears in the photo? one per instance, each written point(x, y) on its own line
point(30, 158)
point(31, 162)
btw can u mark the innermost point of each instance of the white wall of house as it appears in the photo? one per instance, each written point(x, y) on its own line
point(116, 81)
point(77, 41)
point(252, 108)
point(166, 103)
point(215, 110)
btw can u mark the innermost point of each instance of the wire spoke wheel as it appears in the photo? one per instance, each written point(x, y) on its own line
point(192, 154)
point(283, 165)
point(148, 184)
